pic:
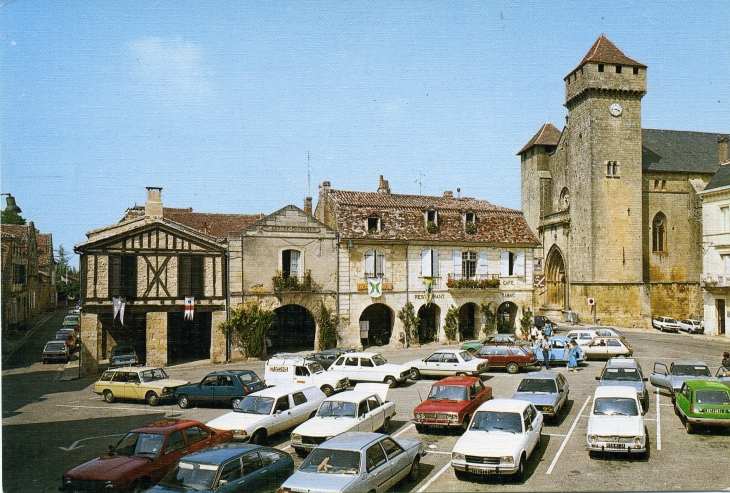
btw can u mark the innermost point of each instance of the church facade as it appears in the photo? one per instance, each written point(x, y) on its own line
point(616, 206)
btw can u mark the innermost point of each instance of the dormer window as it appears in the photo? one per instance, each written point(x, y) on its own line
point(470, 223)
point(432, 222)
point(373, 224)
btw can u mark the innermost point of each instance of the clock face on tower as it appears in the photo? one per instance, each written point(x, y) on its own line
point(615, 109)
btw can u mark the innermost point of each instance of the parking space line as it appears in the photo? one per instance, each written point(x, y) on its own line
point(404, 430)
point(434, 478)
point(567, 437)
point(438, 452)
point(658, 422)
point(109, 408)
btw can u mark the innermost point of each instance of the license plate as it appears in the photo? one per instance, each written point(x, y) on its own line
point(616, 445)
point(484, 472)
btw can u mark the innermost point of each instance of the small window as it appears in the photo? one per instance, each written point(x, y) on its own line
point(618, 69)
point(656, 184)
point(373, 403)
point(612, 169)
point(600, 67)
point(431, 216)
point(373, 224)
point(636, 70)
point(468, 265)
point(282, 404)
point(299, 398)
point(724, 219)
point(659, 233)
point(290, 263)
point(664, 184)
point(374, 263)
point(470, 217)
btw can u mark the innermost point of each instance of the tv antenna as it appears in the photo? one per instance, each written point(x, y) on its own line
point(309, 181)
point(419, 180)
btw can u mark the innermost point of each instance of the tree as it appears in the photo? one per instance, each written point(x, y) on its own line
point(451, 323)
point(490, 319)
point(66, 288)
point(12, 218)
point(410, 320)
point(247, 328)
point(328, 324)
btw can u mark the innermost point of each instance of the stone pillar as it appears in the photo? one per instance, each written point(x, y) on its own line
point(156, 339)
point(217, 338)
point(91, 339)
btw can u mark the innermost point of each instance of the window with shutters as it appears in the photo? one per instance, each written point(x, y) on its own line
point(123, 276)
point(191, 279)
point(291, 263)
point(429, 263)
point(512, 264)
point(374, 263)
point(468, 265)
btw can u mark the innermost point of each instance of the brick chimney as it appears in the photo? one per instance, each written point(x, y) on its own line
point(383, 187)
point(448, 194)
point(722, 156)
point(308, 205)
point(153, 206)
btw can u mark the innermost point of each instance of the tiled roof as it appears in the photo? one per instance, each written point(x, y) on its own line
point(45, 248)
point(548, 135)
point(604, 51)
point(218, 225)
point(17, 230)
point(402, 218)
point(721, 178)
point(680, 151)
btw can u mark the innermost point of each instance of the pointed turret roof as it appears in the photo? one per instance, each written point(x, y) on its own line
point(548, 135)
point(604, 51)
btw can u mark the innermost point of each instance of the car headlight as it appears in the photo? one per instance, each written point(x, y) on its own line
point(239, 432)
point(457, 456)
point(166, 390)
point(638, 440)
point(452, 416)
point(420, 416)
point(592, 438)
point(548, 409)
point(507, 459)
point(296, 437)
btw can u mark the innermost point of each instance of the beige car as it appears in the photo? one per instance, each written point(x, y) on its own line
point(606, 347)
point(145, 383)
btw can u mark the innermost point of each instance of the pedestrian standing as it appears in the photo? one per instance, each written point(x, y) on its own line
point(548, 329)
point(726, 360)
point(533, 333)
point(546, 351)
point(573, 356)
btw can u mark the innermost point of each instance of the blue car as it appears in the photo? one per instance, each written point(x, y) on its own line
point(229, 468)
point(559, 350)
point(221, 388)
point(547, 391)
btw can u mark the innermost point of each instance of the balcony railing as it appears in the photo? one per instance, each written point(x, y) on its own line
point(715, 282)
point(292, 282)
point(457, 281)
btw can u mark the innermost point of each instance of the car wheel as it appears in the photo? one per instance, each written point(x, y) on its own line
point(415, 470)
point(415, 374)
point(464, 424)
point(460, 374)
point(386, 426)
point(108, 396)
point(513, 368)
point(152, 398)
point(183, 401)
point(301, 452)
point(327, 389)
point(235, 402)
point(688, 426)
point(461, 475)
point(520, 474)
point(390, 381)
point(592, 454)
point(259, 437)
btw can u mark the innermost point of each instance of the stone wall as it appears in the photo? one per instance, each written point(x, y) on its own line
point(156, 339)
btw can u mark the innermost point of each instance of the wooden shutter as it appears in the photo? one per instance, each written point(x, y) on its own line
point(519, 269)
point(457, 263)
point(379, 264)
point(294, 263)
point(184, 287)
point(482, 264)
point(370, 263)
point(115, 275)
point(504, 264)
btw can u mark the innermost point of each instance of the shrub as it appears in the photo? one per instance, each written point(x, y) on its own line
point(247, 328)
point(431, 227)
point(328, 324)
point(410, 320)
point(451, 323)
point(490, 319)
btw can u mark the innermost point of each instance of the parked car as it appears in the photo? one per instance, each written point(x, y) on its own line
point(145, 383)
point(541, 320)
point(582, 337)
point(356, 462)
point(500, 439)
point(326, 357)
point(692, 326)
point(616, 422)
point(445, 362)
point(451, 403)
point(142, 457)
point(219, 388)
point(123, 355)
point(626, 371)
point(607, 347)
point(73, 321)
point(270, 411)
point(665, 324)
point(56, 350)
point(291, 368)
point(69, 337)
point(547, 391)
point(703, 403)
point(229, 468)
point(362, 409)
point(370, 367)
point(474, 346)
point(512, 358)
point(559, 350)
point(678, 372)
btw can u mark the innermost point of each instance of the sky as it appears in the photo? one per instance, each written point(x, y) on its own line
point(247, 106)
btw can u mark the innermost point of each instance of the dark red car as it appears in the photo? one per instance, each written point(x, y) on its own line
point(510, 357)
point(142, 457)
point(451, 403)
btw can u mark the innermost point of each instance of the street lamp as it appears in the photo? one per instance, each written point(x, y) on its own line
point(12, 206)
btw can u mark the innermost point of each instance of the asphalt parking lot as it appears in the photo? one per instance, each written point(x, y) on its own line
point(677, 462)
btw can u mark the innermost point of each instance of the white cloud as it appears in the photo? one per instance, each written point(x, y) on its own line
point(170, 69)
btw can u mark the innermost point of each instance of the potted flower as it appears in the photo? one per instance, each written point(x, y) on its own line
point(431, 227)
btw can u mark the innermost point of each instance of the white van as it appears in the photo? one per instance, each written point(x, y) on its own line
point(289, 368)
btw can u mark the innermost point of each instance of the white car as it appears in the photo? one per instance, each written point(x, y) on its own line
point(501, 437)
point(291, 368)
point(582, 337)
point(616, 422)
point(370, 367)
point(362, 409)
point(269, 411)
point(668, 324)
point(448, 362)
point(692, 326)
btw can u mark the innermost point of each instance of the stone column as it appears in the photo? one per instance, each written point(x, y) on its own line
point(156, 339)
point(217, 338)
point(91, 339)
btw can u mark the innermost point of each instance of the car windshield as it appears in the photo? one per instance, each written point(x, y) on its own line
point(615, 406)
point(327, 461)
point(692, 371)
point(123, 350)
point(537, 385)
point(64, 337)
point(315, 367)
point(152, 375)
point(449, 392)
point(191, 475)
point(56, 346)
point(466, 356)
point(140, 444)
point(337, 409)
point(378, 360)
point(246, 378)
point(253, 404)
point(712, 397)
point(621, 374)
point(497, 421)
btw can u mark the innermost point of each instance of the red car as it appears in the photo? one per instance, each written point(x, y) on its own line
point(451, 403)
point(142, 457)
point(510, 357)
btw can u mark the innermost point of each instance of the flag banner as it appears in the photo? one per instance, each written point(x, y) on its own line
point(375, 286)
point(429, 290)
point(123, 302)
point(118, 304)
point(189, 307)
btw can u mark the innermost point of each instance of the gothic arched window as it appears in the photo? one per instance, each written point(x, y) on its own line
point(659, 233)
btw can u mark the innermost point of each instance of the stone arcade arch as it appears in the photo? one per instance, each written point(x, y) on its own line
point(506, 318)
point(556, 280)
point(428, 329)
point(294, 329)
point(468, 321)
point(379, 318)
